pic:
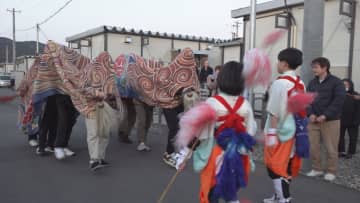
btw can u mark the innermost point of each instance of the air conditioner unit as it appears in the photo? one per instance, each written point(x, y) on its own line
point(128, 40)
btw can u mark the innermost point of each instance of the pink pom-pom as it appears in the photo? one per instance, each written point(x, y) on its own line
point(273, 37)
point(257, 68)
point(299, 101)
point(193, 121)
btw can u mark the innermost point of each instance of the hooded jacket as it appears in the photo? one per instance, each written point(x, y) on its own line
point(351, 109)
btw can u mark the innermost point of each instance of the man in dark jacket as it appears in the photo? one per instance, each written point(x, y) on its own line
point(324, 116)
point(350, 120)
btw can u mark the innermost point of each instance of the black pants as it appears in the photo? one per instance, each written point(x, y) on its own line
point(285, 183)
point(128, 124)
point(66, 119)
point(48, 124)
point(172, 120)
point(32, 136)
point(353, 132)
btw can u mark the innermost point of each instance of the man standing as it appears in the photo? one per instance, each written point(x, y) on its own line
point(205, 71)
point(324, 116)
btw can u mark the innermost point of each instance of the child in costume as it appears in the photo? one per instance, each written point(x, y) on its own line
point(283, 149)
point(224, 125)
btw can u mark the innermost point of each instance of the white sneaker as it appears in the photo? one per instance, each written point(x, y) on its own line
point(59, 153)
point(68, 152)
point(315, 173)
point(181, 156)
point(272, 199)
point(142, 147)
point(33, 143)
point(329, 177)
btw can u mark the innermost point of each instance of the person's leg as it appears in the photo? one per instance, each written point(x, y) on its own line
point(314, 138)
point(51, 135)
point(341, 148)
point(92, 139)
point(281, 187)
point(32, 136)
point(172, 120)
point(330, 132)
point(95, 145)
point(43, 131)
point(211, 197)
point(140, 120)
point(62, 124)
point(149, 118)
point(129, 121)
point(103, 143)
point(353, 134)
point(72, 117)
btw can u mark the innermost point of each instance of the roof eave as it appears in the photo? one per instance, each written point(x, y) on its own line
point(88, 33)
point(265, 8)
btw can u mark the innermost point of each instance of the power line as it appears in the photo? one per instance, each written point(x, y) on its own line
point(47, 19)
point(26, 29)
point(58, 11)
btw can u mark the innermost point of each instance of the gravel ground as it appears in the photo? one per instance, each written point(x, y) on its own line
point(348, 172)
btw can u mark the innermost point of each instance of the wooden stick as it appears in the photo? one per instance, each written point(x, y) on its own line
point(171, 182)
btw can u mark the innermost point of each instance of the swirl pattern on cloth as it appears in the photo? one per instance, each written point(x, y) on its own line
point(86, 82)
point(153, 83)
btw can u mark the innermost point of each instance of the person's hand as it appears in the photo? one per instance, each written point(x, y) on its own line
point(357, 97)
point(321, 119)
point(181, 166)
point(312, 118)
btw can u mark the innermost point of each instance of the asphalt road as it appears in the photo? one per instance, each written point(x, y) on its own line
point(133, 178)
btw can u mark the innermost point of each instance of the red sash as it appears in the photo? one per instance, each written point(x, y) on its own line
point(232, 119)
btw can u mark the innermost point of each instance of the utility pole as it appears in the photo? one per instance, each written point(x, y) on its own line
point(312, 45)
point(13, 11)
point(313, 35)
point(236, 25)
point(37, 39)
point(6, 57)
point(250, 92)
point(252, 24)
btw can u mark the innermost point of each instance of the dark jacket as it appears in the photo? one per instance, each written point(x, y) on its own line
point(330, 97)
point(203, 75)
point(351, 110)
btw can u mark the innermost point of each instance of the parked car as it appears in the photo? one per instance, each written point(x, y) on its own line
point(6, 81)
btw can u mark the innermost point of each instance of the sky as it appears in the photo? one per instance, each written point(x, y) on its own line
point(208, 18)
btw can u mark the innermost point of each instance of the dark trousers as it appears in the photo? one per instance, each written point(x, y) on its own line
point(32, 136)
point(48, 124)
point(66, 119)
point(285, 184)
point(172, 120)
point(128, 123)
point(353, 132)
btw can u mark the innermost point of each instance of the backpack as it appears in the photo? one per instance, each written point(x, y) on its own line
point(302, 144)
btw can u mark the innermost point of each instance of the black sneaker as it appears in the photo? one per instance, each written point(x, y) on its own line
point(104, 163)
point(125, 140)
point(95, 165)
point(342, 154)
point(40, 151)
point(169, 159)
